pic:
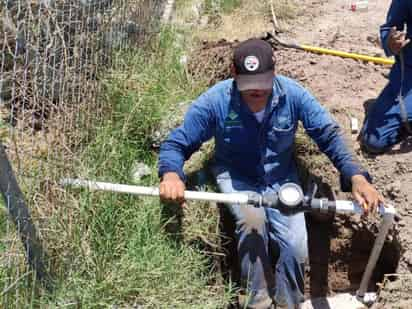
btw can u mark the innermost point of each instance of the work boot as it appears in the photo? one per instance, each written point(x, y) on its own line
point(284, 306)
point(264, 303)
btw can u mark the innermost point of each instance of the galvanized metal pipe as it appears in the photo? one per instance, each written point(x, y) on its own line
point(387, 222)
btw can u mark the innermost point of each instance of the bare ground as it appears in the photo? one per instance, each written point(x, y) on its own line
point(345, 86)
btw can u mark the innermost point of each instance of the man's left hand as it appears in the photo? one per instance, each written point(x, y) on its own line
point(397, 40)
point(365, 194)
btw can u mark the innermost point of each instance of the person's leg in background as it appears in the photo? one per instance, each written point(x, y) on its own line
point(382, 127)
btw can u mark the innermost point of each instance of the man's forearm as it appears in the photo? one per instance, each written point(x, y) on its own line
point(171, 159)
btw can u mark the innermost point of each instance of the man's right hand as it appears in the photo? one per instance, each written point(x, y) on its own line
point(397, 40)
point(172, 188)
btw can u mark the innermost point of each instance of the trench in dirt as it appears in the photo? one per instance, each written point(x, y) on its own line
point(339, 250)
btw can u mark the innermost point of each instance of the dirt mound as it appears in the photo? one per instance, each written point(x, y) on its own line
point(396, 293)
point(212, 60)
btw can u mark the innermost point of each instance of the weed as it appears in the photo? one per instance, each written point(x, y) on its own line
point(284, 9)
point(221, 6)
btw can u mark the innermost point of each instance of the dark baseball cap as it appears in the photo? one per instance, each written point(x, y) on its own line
point(253, 60)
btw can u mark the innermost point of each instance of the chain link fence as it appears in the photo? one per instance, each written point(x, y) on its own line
point(53, 56)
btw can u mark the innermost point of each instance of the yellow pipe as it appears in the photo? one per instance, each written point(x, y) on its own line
point(378, 60)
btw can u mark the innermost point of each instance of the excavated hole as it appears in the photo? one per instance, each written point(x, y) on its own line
point(339, 249)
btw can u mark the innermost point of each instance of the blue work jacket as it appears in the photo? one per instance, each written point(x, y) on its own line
point(399, 15)
point(258, 152)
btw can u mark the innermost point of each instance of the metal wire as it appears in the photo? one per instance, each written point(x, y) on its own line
point(52, 54)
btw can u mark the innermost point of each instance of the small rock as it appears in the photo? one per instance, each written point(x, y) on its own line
point(401, 224)
point(408, 257)
point(396, 186)
point(204, 21)
point(139, 171)
point(183, 60)
point(354, 125)
point(398, 200)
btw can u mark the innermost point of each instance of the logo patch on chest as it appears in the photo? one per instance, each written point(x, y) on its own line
point(233, 120)
point(232, 115)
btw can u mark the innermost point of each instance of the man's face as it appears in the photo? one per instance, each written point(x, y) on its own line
point(256, 99)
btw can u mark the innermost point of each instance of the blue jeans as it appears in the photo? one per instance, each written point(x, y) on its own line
point(272, 248)
point(382, 127)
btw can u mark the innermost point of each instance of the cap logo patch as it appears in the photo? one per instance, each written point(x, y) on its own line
point(252, 63)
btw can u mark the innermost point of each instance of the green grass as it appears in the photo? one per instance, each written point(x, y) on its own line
point(111, 249)
point(131, 260)
point(285, 9)
point(221, 6)
point(17, 282)
point(3, 226)
point(212, 6)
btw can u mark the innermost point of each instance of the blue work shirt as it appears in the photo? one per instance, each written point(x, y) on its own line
point(399, 14)
point(260, 153)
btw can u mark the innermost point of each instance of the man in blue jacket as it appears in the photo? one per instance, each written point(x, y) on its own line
point(388, 119)
point(254, 118)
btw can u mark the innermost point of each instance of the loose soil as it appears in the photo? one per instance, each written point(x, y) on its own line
point(340, 247)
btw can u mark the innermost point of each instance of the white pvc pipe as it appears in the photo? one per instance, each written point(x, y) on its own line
point(349, 207)
point(229, 198)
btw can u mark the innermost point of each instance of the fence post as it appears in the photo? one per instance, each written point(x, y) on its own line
point(19, 213)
